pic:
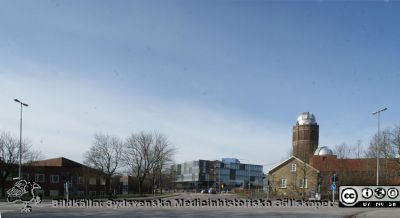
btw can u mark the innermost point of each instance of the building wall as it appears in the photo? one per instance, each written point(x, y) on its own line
point(193, 175)
point(305, 141)
point(203, 174)
point(294, 178)
point(236, 174)
point(83, 181)
point(355, 172)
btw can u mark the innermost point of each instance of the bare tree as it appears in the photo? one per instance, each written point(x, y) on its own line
point(358, 149)
point(386, 147)
point(139, 157)
point(342, 150)
point(145, 154)
point(396, 138)
point(9, 155)
point(164, 154)
point(384, 144)
point(170, 177)
point(105, 155)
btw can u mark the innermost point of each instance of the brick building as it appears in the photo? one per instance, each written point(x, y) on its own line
point(53, 174)
point(323, 167)
point(354, 171)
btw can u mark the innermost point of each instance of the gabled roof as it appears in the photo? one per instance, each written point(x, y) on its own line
point(288, 160)
point(57, 162)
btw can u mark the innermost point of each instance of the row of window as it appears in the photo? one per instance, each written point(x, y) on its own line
point(55, 192)
point(40, 177)
point(302, 183)
point(246, 167)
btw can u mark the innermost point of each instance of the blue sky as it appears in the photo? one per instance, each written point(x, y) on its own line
point(219, 78)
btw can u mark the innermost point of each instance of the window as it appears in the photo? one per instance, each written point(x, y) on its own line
point(303, 183)
point(81, 180)
point(92, 181)
point(124, 189)
point(102, 181)
point(293, 167)
point(9, 177)
point(54, 179)
point(54, 193)
point(282, 183)
point(39, 177)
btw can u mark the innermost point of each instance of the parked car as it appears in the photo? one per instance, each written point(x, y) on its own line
point(204, 191)
point(212, 191)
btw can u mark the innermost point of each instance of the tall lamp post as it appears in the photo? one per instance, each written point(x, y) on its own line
point(377, 144)
point(20, 137)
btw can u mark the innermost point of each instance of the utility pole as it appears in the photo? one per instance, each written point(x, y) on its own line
point(333, 190)
point(20, 137)
point(378, 142)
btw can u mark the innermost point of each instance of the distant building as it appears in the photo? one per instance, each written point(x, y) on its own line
point(322, 168)
point(52, 174)
point(124, 185)
point(227, 174)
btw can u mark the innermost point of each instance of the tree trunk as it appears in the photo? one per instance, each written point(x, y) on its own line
point(160, 182)
point(141, 187)
point(153, 184)
point(108, 186)
point(3, 191)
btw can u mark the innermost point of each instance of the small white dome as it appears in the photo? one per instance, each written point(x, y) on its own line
point(306, 118)
point(323, 151)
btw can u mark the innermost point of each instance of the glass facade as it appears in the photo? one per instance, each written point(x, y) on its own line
point(201, 174)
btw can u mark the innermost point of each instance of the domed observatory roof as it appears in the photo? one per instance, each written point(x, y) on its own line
point(323, 151)
point(306, 118)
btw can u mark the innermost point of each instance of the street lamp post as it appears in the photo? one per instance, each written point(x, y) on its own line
point(20, 137)
point(377, 144)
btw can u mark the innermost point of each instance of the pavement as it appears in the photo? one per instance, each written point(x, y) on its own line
point(46, 209)
point(388, 212)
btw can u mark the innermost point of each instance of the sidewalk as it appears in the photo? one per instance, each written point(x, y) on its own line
point(387, 212)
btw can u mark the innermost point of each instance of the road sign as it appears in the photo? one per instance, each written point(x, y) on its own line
point(333, 186)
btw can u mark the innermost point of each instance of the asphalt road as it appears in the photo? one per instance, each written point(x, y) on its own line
point(46, 209)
